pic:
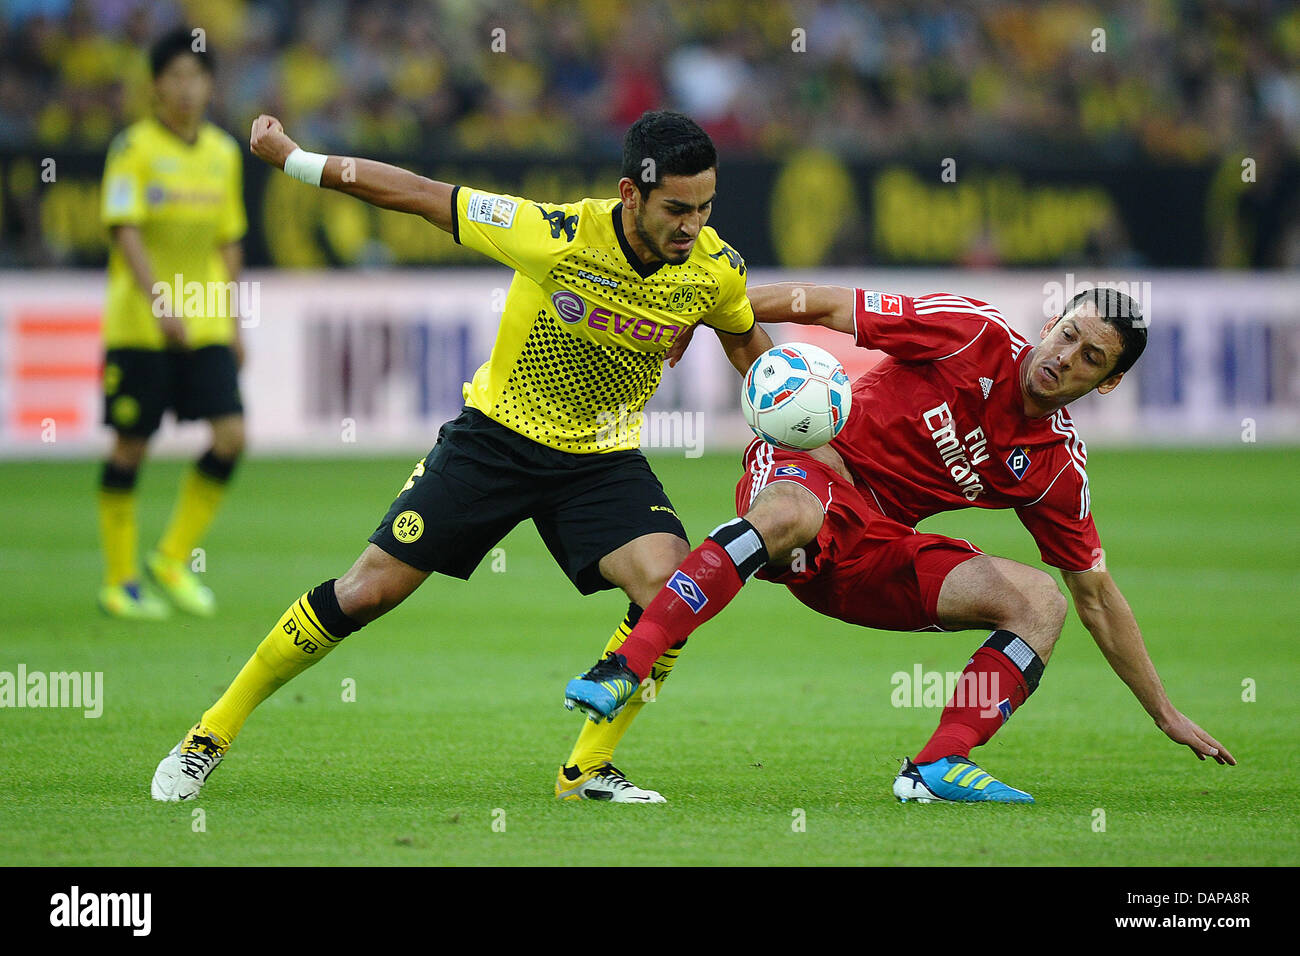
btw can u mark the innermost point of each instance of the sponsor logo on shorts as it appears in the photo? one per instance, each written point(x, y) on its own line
point(688, 591)
point(407, 527)
point(1018, 462)
point(663, 508)
point(789, 471)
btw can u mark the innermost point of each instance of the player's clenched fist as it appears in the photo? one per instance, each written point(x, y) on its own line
point(268, 141)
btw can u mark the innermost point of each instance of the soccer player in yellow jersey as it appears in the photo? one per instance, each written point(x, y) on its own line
point(601, 290)
point(173, 202)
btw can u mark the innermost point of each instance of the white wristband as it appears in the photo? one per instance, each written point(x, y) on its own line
point(305, 167)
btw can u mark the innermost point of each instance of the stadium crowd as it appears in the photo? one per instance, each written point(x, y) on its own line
point(1178, 82)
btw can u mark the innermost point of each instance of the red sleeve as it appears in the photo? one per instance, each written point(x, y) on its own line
point(1061, 521)
point(925, 328)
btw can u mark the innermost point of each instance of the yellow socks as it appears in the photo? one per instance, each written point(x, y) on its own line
point(596, 742)
point(117, 525)
point(298, 640)
point(202, 490)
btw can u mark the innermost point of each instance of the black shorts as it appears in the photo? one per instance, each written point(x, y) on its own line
point(141, 384)
point(481, 479)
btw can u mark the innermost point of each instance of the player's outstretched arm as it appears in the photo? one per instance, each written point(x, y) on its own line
point(805, 304)
point(1108, 617)
point(799, 302)
point(382, 185)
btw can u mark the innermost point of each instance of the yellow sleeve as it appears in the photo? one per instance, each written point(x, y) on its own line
point(733, 313)
point(234, 222)
point(518, 233)
point(122, 195)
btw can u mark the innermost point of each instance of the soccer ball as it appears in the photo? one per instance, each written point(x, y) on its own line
point(796, 396)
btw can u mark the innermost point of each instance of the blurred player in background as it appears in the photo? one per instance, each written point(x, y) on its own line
point(173, 202)
point(963, 412)
point(550, 431)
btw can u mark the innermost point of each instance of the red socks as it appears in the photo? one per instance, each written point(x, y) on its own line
point(702, 586)
point(999, 678)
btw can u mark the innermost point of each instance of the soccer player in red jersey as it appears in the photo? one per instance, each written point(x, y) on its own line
point(963, 412)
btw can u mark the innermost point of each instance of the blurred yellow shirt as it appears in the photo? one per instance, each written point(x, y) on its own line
point(188, 202)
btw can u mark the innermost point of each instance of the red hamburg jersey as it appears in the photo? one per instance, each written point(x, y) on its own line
point(940, 424)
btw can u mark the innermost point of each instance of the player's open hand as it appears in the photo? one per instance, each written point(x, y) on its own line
point(680, 342)
point(1182, 731)
point(268, 141)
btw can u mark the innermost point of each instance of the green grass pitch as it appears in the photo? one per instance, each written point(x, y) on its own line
point(775, 740)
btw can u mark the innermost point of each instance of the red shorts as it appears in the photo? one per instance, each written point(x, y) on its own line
point(864, 568)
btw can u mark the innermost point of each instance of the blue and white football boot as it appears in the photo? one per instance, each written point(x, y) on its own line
point(952, 780)
point(604, 690)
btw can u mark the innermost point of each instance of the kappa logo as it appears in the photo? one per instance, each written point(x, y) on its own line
point(1018, 462)
point(560, 223)
point(606, 281)
point(688, 591)
point(985, 385)
point(732, 257)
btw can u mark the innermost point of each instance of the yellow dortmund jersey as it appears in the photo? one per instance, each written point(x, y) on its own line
point(188, 202)
point(586, 325)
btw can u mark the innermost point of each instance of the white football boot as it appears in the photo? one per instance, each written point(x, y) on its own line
point(604, 783)
point(182, 773)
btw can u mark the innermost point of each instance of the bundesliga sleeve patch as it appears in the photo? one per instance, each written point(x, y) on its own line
point(882, 303)
point(491, 210)
point(121, 195)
